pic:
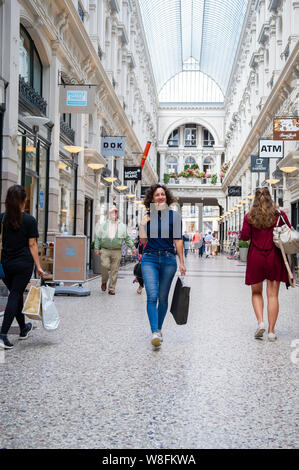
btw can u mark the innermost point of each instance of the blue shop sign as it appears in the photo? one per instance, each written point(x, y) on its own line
point(76, 98)
point(41, 199)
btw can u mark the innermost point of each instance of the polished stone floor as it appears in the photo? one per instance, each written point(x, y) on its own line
point(96, 382)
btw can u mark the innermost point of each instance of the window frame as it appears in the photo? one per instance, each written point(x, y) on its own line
point(171, 139)
point(192, 140)
point(33, 49)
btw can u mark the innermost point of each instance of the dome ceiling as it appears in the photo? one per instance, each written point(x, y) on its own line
point(202, 32)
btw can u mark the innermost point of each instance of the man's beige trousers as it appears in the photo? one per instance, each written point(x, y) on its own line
point(110, 259)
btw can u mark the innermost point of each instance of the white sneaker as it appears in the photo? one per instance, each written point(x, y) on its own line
point(272, 337)
point(156, 339)
point(161, 336)
point(260, 330)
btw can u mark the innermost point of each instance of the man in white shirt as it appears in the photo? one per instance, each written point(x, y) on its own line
point(208, 240)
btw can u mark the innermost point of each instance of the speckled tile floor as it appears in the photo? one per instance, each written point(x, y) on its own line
point(97, 382)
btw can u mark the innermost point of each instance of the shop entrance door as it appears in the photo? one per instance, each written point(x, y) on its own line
point(31, 194)
point(88, 221)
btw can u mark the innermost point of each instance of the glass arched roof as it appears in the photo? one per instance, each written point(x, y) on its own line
point(191, 87)
point(204, 32)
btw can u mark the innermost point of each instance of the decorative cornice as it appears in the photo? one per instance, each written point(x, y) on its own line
point(270, 107)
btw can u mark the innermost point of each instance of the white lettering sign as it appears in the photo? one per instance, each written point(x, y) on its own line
point(271, 148)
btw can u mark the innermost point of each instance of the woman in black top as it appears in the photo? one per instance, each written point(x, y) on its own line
point(19, 253)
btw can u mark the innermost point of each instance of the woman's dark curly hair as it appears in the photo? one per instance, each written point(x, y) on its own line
point(148, 199)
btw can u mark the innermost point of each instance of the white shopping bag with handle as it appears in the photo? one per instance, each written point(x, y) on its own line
point(50, 317)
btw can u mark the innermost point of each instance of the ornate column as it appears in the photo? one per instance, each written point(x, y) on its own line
point(295, 21)
point(162, 163)
point(10, 71)
point(200, 216)
point(54, 149)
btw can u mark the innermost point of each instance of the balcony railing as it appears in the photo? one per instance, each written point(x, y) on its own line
point(208, 143)
point(190, 143)
point(31, 97)
point(67, 131)
point(173, 143)
point(181, 181)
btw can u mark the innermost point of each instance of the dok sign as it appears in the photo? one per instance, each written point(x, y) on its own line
point(270, 148)
point(258, 164)
point(113, 146)
point(132, 173)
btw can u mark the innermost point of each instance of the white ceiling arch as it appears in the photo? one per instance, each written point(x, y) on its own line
point(201, 33)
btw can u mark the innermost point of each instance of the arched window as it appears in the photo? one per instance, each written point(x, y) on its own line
point(173, 139)
point(171, 165)
point(208, 165)
point(208, 139)
point(190, 161)
point(190, 135)
point(30, 66)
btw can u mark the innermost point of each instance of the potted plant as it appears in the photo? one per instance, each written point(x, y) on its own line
point(166, 178)
point(96, 260)
point(243, 248)
point(214, 179)
point(172, 177)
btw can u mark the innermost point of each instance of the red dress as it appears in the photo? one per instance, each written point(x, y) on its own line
point(264, 260)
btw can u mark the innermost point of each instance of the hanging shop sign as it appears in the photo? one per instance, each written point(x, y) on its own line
point(41, 199)
point(76, 99)
point(143, 190)
point(286, 128)
point(258, 164)
point(270, 148)
point(113, 146)
point(69, 258)
point(132, 173)
point(234, 191)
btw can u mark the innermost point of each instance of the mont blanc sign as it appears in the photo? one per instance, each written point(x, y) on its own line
point(132, 173)
point(113, 146)
point(270, 148)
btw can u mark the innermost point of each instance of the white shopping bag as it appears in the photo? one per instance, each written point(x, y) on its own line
point(50, 317)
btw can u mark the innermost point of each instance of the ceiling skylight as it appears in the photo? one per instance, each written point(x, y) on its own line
point(200, 35)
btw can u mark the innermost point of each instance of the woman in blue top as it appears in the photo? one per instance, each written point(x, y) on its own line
point(161, 228)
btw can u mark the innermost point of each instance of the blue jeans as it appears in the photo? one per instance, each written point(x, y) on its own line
point(158, 270)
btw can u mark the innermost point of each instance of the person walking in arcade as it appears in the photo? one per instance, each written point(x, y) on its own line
point(264, 260)
point(161, 228)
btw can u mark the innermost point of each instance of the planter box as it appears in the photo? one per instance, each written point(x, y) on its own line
point(243, 254)
point(187, 181)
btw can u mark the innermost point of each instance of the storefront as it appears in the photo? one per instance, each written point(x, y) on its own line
point(67, 211)
point(33, 174)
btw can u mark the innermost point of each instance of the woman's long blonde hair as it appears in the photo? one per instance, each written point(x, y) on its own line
point(262, 212)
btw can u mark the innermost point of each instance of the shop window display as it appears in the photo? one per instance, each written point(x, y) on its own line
point(67, 199)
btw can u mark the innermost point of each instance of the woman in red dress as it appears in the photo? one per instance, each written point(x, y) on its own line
point(264, 260)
